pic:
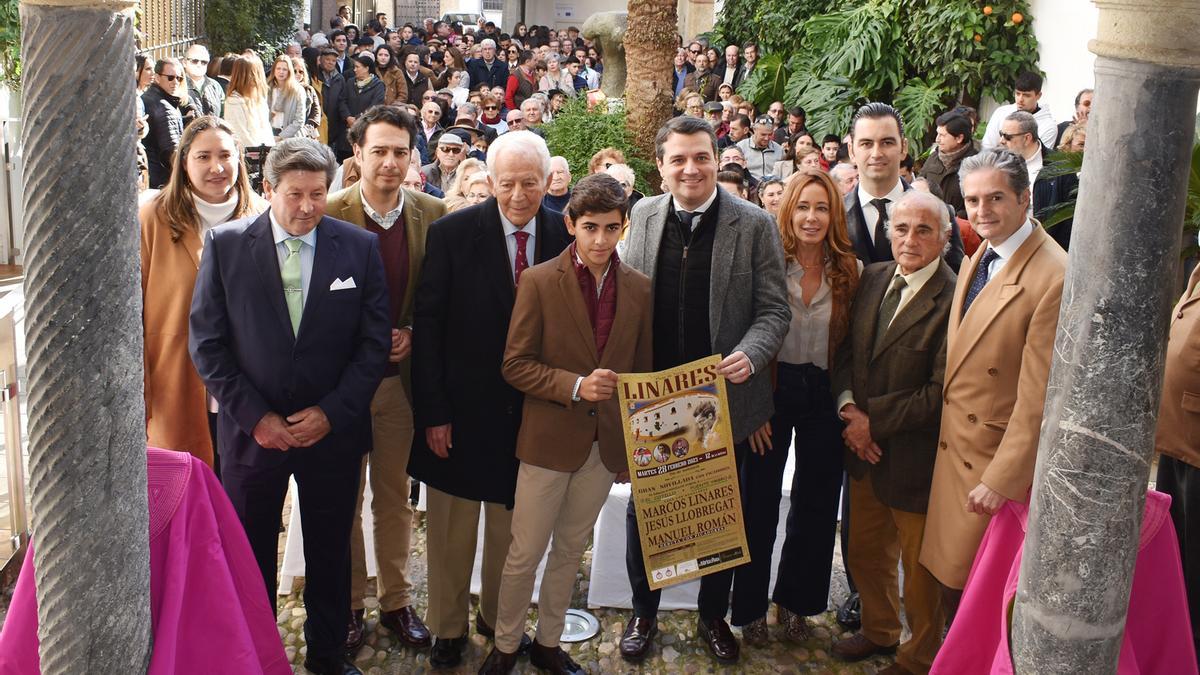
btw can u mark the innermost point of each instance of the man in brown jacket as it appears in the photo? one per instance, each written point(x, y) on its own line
point(890, 384)
point(1178, 438)
point(579, 320)
point(998, 351)
point(384, 138)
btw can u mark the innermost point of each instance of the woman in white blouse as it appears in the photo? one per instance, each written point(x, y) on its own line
point(822, 278)
point(246, 109)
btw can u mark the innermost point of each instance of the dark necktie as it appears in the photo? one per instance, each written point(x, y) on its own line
point(981, 278)
point(887, 310)
point(883, 248)
point(522, 261)
point(686, 218)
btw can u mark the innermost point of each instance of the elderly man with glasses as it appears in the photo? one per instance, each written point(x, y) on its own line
point(204, 92)
point(450, 150)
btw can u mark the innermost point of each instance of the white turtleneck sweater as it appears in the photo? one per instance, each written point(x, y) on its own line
point(212, 215)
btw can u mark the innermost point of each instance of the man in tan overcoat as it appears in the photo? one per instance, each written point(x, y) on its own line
point(384, 139)
point(1178, 438)
point(999, 343)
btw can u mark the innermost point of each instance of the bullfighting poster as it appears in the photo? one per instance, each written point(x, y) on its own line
point(683, 472)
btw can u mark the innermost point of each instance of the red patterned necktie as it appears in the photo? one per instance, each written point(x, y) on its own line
point(522, 262)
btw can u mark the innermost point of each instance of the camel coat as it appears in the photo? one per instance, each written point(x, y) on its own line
point(551, 343)
point(997, 366)
point(1179, 414)
point(176, 405)
point(420, 210)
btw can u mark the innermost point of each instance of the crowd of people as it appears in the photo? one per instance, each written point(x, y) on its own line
point(412, 297)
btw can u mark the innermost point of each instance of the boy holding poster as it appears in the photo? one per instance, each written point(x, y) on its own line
point(578, 321)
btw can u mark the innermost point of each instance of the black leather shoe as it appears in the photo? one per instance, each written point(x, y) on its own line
point(849, 614)
point(498, 663)
point(554, 660)
point(354, 633)
point(719, 638)
point(447, 652)
point(407, 626)
point(330, 665)
point(635, 642)
point(488, 632)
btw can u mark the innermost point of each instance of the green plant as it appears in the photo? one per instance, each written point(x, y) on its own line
point(262, 25)
point(10, 44)
point(837, 54)
point(578, 133)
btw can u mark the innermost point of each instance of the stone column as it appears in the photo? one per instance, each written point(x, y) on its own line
point(1106, 375)
point(87, 428)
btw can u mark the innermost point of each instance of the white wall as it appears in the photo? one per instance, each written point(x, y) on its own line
point(1063, 29)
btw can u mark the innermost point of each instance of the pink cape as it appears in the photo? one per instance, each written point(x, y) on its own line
point(1158, 635)
point(208, 604)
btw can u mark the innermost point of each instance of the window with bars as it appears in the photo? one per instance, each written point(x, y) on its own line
point(168, 27)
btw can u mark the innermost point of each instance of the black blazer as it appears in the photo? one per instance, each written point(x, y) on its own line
point(899, 386)
point(860, 237)
point(241, 341)
point(463, 306)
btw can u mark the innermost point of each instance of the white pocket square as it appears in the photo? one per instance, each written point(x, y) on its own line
point(339, 285)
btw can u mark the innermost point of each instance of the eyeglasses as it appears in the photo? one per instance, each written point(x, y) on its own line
point(693, 51)
point(491, 107)
point(452, 149)
point(171, 78)
point(1009, 137)
point(198, 62)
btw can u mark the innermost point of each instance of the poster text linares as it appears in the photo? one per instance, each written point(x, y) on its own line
point(693, 378)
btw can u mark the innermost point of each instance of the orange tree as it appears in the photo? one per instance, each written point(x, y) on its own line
point(923, 56)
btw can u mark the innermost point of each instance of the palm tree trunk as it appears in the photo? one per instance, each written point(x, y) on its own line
point(650, 44)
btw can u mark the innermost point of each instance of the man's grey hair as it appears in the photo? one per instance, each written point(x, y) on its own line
point(522, 142)
point(1008, 163)
point(534, 101)
point(733, 148)
point(468, 109)
point(837, 170)
point(559, 159)
point(622, 171)
point(298, 154)
point(916, 199)
point(489, 42)
point(1026, 124)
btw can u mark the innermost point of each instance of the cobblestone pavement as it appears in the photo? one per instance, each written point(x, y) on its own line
point(676, 648)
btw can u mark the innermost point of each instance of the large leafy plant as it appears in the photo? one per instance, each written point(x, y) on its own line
point(577, 133)
point(846, 52)
point(10, 44)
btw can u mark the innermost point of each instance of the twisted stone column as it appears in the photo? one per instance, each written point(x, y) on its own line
point(1097, 438)
point(87, 429)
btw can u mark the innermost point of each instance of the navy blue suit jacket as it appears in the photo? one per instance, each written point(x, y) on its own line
point(241, 341)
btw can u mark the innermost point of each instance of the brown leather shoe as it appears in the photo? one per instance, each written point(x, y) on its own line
point(720, 640)
point(554, 660)
point(894, 669)
point(407, 626)
point(635, 642)
point(498, 663)
point(857, 647)
point(354, 632)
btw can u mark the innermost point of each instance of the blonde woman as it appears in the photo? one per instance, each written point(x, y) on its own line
point(312, 100)
point(456, 193)
point(286, 99)
point(246, 109)
point(477, 189)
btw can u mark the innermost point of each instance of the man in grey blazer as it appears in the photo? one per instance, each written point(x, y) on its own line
point(719, 287)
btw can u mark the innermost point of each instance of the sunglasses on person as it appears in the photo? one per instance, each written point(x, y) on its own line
point(171, 78)
point(693, 51)
point(198, 62)
point(491, 107)
point(452, 149)
point(1009, 137)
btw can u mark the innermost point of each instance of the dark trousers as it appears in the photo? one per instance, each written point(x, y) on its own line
point(1182, 481)
point(844, 531)
point(804, 406)
point(212, 432)
point(762, 488)
point(714, 588)
point(328, 486)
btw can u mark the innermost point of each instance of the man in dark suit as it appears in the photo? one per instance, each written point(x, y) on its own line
point(333, 103)
point(717, 266)
point(289, 331)
point(890, 384)
point(488, 69)
point(877, 147)
point(729, 72)
point(467, 416)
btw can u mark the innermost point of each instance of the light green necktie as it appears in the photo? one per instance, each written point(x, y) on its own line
point(293, 292)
